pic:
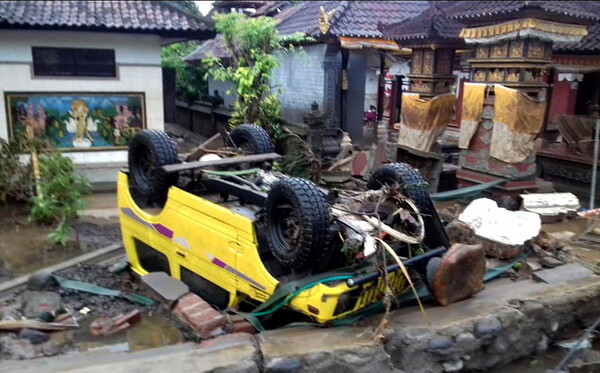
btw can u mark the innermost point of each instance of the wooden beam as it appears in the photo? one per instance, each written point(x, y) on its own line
point(221, 162)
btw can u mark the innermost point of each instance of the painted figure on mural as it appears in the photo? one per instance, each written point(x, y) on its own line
point(81, 124)
point(121, 120)
point(37, 121)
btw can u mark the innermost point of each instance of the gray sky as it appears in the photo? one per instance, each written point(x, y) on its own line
point(204, 6)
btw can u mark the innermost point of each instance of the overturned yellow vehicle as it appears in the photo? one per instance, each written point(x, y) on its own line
point(235, 233)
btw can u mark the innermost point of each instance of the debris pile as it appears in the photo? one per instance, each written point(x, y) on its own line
point(47, 317)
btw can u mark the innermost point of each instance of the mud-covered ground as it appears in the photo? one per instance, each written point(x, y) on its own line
point(24, 247)
point(157, 328)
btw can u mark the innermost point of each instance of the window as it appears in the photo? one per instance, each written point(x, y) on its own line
point(73, 62)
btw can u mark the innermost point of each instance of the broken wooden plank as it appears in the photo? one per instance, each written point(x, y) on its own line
point(221, 162)
point(212, 145)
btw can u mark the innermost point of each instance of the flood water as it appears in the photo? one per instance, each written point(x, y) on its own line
point(24, 247)
point(151, 332)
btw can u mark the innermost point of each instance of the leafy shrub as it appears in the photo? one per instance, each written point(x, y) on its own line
point(61, 195)
point(16, 179)
point(253, 43)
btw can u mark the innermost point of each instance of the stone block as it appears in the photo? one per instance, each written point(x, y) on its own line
point(459, 274)
point(348, 349)
point(197, 313)
point(488, 328)
point(165, 287)
point(439, 344)
point(571, 271)
point(33, 336)
point(550, 262)
point(37, 302)
point(40, 280)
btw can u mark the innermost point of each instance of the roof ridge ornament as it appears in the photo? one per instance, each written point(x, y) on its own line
point(324, 18)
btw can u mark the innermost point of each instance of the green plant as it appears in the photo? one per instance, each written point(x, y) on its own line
point(190, 81)
point(253, 43)
point(61, 195)
point(298, 159)
point(16, 180)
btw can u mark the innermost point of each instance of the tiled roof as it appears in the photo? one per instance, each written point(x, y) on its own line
point(304, 17)
point(406, 20)
point(211, 48)
point(432, 24)
point(589, 43)
point(129, 16)
point(476, 9)
point(269, 7)
point(351, 18)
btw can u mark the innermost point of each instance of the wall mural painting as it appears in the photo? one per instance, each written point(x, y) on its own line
point(78, 121)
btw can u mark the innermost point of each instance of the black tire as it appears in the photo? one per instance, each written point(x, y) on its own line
point(250, 138)
point(149, 150)
point(414, 187)
point(297, 217)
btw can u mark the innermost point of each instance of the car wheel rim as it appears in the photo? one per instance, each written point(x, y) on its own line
point(287, 226)
point(146, 165)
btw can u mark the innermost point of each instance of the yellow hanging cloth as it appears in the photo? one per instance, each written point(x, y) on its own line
point(472, 110)
point(518, 118)
point(424, 120)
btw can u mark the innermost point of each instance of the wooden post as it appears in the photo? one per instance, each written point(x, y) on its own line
point(34, 161)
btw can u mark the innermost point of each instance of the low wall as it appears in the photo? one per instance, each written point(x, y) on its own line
point(202, 118)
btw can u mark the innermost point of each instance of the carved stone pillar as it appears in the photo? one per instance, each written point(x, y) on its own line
point(332, 67)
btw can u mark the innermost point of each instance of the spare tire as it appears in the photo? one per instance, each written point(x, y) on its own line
point(149, 150)
point(414, 187)
point(250, 138)
point(297, 218)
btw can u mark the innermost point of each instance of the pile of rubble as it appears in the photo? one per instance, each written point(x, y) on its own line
point(516, 237)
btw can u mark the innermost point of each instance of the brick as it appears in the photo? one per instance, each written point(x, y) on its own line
point(240, 327)
point(198, 314)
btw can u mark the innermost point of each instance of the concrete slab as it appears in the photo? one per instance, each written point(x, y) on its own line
point(231, 353)
point(168, 289)
point(309, 349)
point(567, 272)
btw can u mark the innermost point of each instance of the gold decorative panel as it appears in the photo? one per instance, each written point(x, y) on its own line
point(444, 60)
point(479, 75)
point(417, 61)
point(441, 86)
point(499, 50)
point(536, 48)
point(513, 75)
point(482, 51)
point(496, 76)
point(420, 86)
point(528, 76)
point(428, 62)
point(516, 48)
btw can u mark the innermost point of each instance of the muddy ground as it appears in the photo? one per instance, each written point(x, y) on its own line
point(157, 328)
point(24, 247)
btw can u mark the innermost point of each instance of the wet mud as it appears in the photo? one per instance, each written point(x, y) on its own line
point(24, 247)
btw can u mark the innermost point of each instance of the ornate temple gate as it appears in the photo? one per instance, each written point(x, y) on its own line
point(504, 109)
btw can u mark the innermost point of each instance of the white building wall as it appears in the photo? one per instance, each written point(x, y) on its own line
point(301, 78)
point(138, 70)
point(371, 88)
point(223, 87)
